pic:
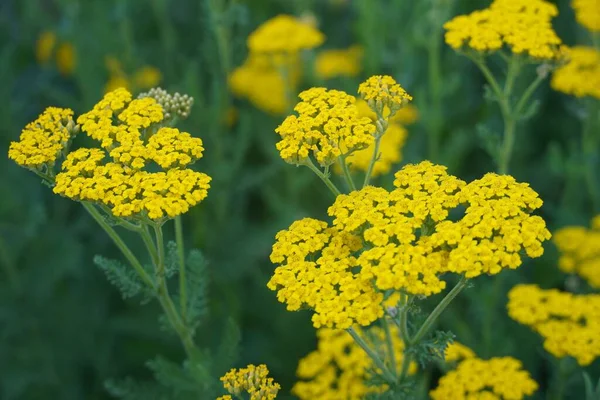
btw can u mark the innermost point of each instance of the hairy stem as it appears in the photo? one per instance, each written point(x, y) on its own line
point(131, 258)
point(336, 192)
point(347, 176)
point(181, 259)
point(387, 375)
point(437, 311)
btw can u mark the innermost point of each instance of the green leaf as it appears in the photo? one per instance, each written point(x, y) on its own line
point(431, 349)
point(123, 277)
point(197, 288)
point(591, 392)
point(171, 375)
point(171, 260)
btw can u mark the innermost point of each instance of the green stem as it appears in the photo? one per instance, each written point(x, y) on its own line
point(388, 376)
point(560, 383)
point(221, 36)
point(347, 176)
point(427, 325)
point(405, 365)
point(494, 85)
point(507, 146)
point(404, 320)
point(373, 161)
point(131, 258)
point(336, 192)
point(390, 345)
point(181, 258)
point(528, 93)
point(149, 242)
point(165, 300)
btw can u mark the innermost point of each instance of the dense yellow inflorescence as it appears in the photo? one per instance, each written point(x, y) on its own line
point(499, 378)
point(580, 76)
point(284, 34)
point(457, 352)
point(383, 92)
point(339, 62)
point(403, 241)
point(569, 323)
point(580, 251)
point(114, 175)
point(43, 140)
point(522, 25)
point(253, 380)
point(340, 368)
point(327, 126)
point(587, 13)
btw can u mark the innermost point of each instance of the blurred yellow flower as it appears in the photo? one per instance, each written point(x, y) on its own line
point(44, 46)
point(339, 62)
point(587, 13)
point(143, 78)
point(65, 54)
point(580, 76)
point(146, 77)
point(65, 58)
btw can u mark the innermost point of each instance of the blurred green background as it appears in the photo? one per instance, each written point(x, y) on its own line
point(64, 330)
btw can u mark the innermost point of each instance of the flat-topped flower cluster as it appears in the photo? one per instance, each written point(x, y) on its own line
point(403, 240)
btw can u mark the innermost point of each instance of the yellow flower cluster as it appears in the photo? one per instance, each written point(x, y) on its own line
point(457, 352)
point(496, 227)
point(315, 270)
point(499, 378)
point(263, 84)
point(43, 140)
point(580, 76)
point(327, 126)
point(381, 92)
point(580, 251)
point(587, 13)
point(568, 323)
point(402, 240)
point(523, 25)
point(127, 132)
point(253, 380)
point(143, 78)
point(340, 62)
point(284, 34)
point(65, 52)
point(340, 369)
point(272, 68)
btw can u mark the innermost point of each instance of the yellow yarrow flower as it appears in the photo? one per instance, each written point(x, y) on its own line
point(587, 13)
point(146, 77)
point(497, 378)
point(327, 126)
point(383, 92)
point(284, 34)
point(339, 62)
point(457, 352)
point(113, 175)
point(579, 249)
point(580, 76)
point(569, 323)
point(340, 368)
point(43, 140)
point(253, 380)
point(522, 25)
point(381, 241)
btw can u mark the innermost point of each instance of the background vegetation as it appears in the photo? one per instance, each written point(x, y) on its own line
point(65, 330)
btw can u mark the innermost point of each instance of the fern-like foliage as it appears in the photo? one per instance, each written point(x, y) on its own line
point(197, 280)
point(123, 277)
